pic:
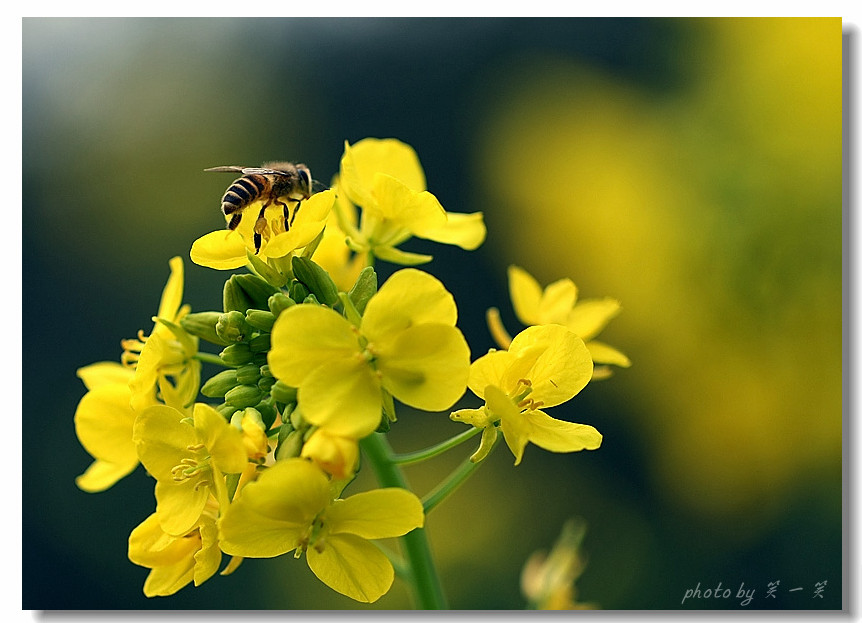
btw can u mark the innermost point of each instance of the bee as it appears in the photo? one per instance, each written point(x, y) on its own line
point(279, 183)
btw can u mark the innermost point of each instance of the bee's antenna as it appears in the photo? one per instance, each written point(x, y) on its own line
point(318, 185)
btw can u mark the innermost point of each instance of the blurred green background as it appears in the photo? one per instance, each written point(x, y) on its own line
point(690, 168)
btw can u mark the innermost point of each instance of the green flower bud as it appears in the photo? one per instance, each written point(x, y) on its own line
point(311, 300)
point(203, 325)
point(259, 319)
point(364, 288)
point(265, 383)
point(290, 447)
point(297, 421)
point(315, 279)
point(278, 302)
point(234, 297)
point(285, 394)
point(298, 292)
point(264, 370)
point(226, 410)
point(248, 374)
point(236, 354)
point(260, 343)
point(220, 384)
point(243, 396)
point(232, 327)
point(256, 289)
point(267, 414)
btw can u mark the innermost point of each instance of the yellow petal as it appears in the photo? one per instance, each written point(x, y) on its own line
point(480, 418)
point(515, 430)
point(172, 295)
point(162, 440)
point(425, 366)
point(554, 359)
point(404, 207)
point(167, 580)
point(306, 337)
point(526, 294)
point(589, 317)
point(150, 546)
point(602, 353)
point(409, 297)
point(104, 422)
point(223, 250)
point(464, 230)
point(377, 514)
point(179, 504)
point(223, 441)
point(489, 369)
point(557, 302)
point(273, 512)
point(310, 221)
point(397, 256)
point(344, 396)
point(352, 566)
point(208, 557)
point(334, 454)
point(559, 436)
point(105, 373)
point(362, 161)
point(101, 475)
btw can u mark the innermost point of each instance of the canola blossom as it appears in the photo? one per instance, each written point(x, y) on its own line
point(254, 419)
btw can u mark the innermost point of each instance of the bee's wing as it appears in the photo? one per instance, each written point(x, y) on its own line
point(227, 169)
point(259, 171)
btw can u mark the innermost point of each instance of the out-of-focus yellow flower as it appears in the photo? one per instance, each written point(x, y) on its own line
point(175, 560)
point(384, 177)
point(103, 423)
point(291, 507)
point(407, 345)
point(226, 250)
point(187, 461)
point(334, 454)
point(543, 367)
point(167, 352)
point(558, 304)
point(547, 579)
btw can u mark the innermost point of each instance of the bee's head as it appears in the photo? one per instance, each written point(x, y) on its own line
point(305, 181)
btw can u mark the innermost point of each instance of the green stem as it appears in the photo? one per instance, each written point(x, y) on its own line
point(408, 458)
point(448, 486)
point(427, 590)
point(209, 358)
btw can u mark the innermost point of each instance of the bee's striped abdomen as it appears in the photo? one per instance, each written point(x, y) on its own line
point(242, 192)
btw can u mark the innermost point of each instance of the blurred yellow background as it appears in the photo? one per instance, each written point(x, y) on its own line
point(690, 168)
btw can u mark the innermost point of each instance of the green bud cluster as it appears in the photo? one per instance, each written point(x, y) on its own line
point(251, 306)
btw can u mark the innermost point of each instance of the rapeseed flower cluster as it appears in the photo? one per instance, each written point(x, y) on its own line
point(314, 355)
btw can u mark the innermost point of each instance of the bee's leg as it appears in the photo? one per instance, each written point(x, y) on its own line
point(234, 220)
point(295, 210)
point(259, 228)
point(285, 209)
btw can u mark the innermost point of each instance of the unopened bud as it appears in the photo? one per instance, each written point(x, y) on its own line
point(290, 447)
point(316, 279)
point(259, 319)
point(256, 289)
point(243, 396)
point(265, 383)
point(259, 343)
point(267, 414)
point(232, 327)
point(283, 393)
point(203, 325)
point(220, 384)
point(364, 288)
point(236, 354)
point(234, 297)
point(298, 291)
point(278, 302)
point(248, 374)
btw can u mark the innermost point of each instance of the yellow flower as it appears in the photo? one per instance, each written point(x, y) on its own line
point(228, 249)
point(103, 423)
point(548, 579)
point(543, 367)
point(384, 177)
point(406, 345)
point(558, 304)
point(333, 454)
point(188, 461)
point(291, 507)
point(175, 560)
point(168, 351)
